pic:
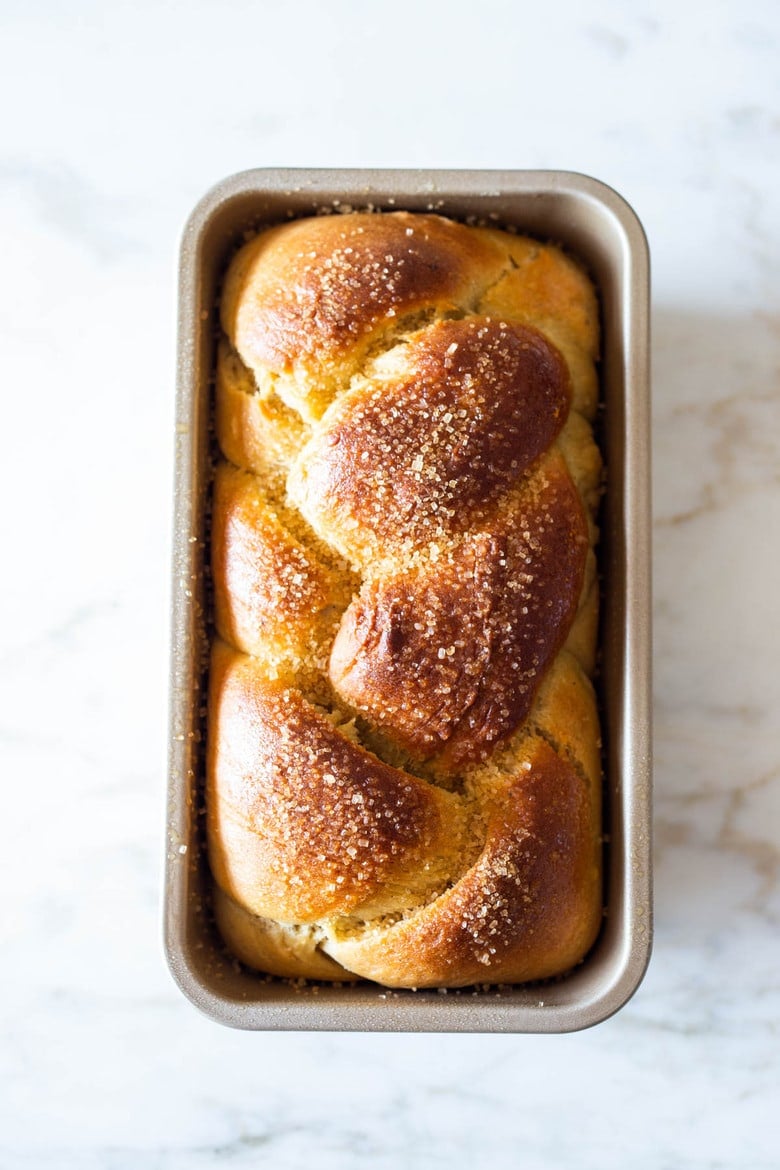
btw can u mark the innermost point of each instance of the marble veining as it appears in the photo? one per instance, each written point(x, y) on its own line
point(118, 118)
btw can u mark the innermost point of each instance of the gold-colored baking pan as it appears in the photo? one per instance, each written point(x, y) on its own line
point(596, 224)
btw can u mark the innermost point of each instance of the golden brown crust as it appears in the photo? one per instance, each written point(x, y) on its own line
point(421, 451)
point(271, 593)
point(309, 297)
point(551, 291)
point(255, 431)
point(529, 907)
point(403, 751)
point(302, 821)
point(565, 715)
point(292, 952)
point(447, 658)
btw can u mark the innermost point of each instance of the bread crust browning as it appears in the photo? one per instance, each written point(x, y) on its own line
point(447, 659)
point(304, 301)
point(528, 908)
point(302, 821)
point(423, 450)
point(272, 594)
point(403, 772)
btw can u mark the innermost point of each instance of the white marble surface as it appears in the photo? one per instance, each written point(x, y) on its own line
point(116, 117)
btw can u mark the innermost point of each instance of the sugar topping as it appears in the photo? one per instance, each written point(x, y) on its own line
point(431, 473)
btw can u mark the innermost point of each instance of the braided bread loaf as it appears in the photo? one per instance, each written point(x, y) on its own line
point(403, 761)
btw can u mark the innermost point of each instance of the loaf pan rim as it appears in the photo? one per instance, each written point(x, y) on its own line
point(425, 1011)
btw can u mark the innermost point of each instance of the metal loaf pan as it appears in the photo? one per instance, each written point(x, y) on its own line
point(594, 223)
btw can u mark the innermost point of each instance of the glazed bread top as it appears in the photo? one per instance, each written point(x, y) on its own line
point(403, 776)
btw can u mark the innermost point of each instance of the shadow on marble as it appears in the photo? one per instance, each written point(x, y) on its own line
point(716, 449)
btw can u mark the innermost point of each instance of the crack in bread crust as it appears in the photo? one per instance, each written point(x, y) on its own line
point(405, 404)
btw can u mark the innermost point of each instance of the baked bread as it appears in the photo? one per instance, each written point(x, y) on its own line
point(403, 745)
